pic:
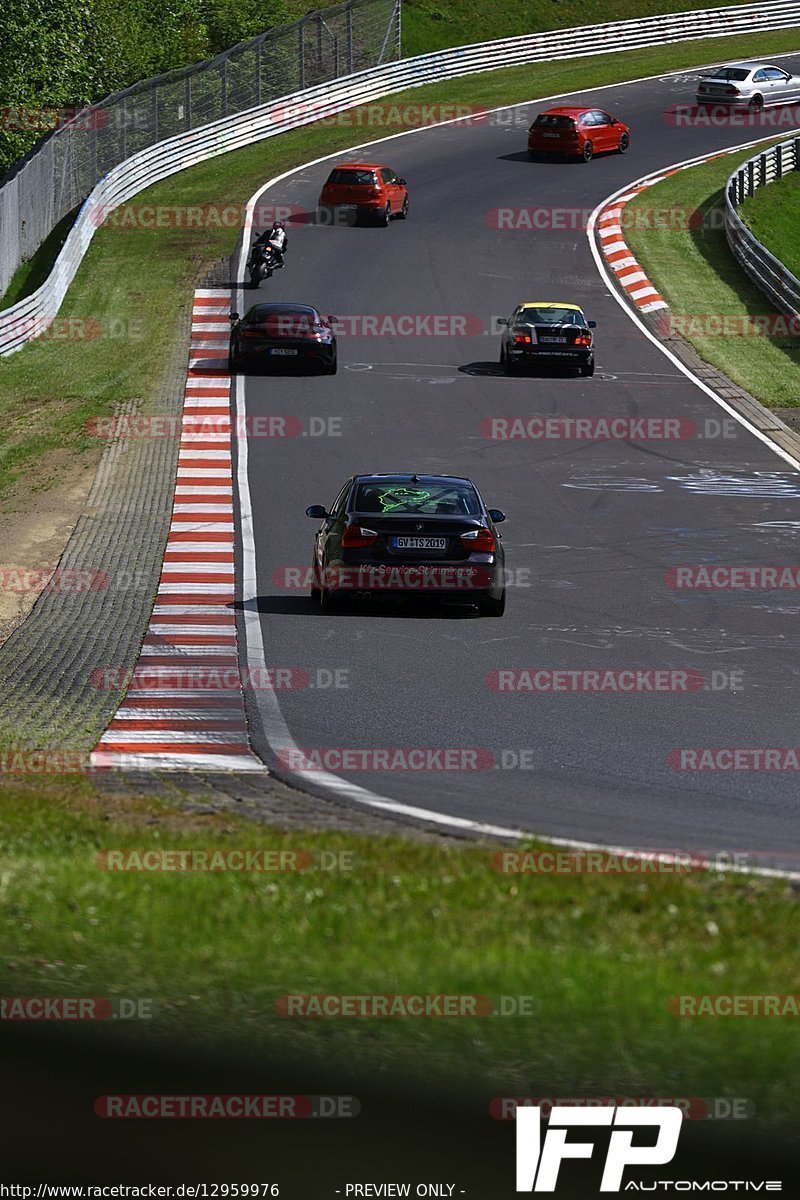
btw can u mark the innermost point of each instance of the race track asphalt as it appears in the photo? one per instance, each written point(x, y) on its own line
point(593, 526)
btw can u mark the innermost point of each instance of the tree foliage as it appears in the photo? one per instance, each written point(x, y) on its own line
point(61, 54)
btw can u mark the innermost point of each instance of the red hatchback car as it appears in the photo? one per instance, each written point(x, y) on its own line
point(577, 132)
point(365, 189)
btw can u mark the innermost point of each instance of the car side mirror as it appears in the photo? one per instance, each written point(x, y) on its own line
point(234, 317)
point(592, 324)
point(502, 320)
point(497, 515)
point(317, 510)
point(402, 182)
point(332, 318)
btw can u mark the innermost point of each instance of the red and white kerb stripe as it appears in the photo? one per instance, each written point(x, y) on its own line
point(617, 254)
point(164, 722)
point(631, 277)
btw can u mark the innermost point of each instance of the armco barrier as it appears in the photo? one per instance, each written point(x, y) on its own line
point(766, 271)
point(31, 316)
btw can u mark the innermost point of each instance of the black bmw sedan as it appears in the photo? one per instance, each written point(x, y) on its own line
point(540, 332)
point(282, 333)
point(409, 535)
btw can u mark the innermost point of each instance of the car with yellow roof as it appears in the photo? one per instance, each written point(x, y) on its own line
point(547, 332)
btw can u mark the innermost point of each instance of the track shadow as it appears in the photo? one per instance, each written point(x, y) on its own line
point(489, 370)
point(486, 369)
point(283, 370)
point(291, 606)
point(387, 607)
point(341, 219)
point(539, 157)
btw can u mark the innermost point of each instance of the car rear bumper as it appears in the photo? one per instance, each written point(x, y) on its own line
point(578, 354)
point(465, 579)
point(371, 205)
point(262, 352)
point(728, 101)
point(555, 145)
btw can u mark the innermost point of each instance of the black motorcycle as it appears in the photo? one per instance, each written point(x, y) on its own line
point(262, 262)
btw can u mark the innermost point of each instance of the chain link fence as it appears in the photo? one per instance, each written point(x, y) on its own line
point(59, 173)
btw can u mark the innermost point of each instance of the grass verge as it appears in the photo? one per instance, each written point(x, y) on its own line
point(600, 955)
point(772, 214)
point(435, 24)
point(701, 281)
point(133, 282)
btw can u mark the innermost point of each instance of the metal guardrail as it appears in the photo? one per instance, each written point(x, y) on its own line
point(59, 172)
point(766, 271)
point(31, 316)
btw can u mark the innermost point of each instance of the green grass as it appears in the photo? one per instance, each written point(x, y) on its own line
point(772, 214)
point(600, 955)
point(435, 24)
point(698, 276)
point(136, 282)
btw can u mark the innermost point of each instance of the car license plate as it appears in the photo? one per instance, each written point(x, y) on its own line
point(419, 543)
point(550, 135)
point(276, 351)
point(552, 340)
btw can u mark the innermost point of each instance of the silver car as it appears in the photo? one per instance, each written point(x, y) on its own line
point(753, 84)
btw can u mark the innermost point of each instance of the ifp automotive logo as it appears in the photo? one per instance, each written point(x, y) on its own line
point(538, 1161)
point(538, 1164)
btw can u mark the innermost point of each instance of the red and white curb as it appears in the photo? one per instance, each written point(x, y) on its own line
point(617, 253)
point(184, 708)
point(630, 275)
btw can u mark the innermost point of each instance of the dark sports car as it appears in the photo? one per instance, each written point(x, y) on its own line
point(282, 333)
point(412, 535)
point(543, 331)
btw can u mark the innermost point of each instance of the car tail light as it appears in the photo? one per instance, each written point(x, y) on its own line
point(731, 91)
point(252, 332)
point(583, 339)
point(522, 339)
point(479, 539)
point(356, 535)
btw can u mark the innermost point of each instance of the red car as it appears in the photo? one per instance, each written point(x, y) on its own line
point(365, 189)
point(577, 132)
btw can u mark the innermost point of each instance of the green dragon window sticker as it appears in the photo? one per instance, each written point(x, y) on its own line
point(402, 497)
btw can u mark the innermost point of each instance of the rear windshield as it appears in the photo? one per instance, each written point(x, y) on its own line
point(551, 316)
point(285, 324)
point(433, 499)
point(730, 73)
point(341, 175)
point(554, 121)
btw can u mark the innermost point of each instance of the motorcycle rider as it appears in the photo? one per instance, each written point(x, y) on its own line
point(276, 238)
